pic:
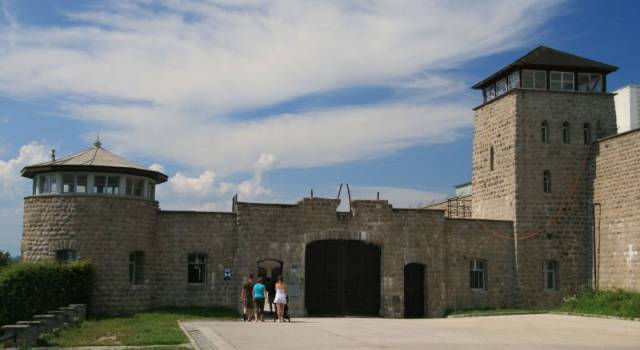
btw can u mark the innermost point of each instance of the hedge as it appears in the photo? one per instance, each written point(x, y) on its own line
point(31, 288)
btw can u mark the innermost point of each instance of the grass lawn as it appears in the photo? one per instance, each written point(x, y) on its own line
point(153, 327)
point(618, 302)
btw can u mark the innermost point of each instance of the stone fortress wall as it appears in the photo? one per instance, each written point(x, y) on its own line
point(108, 229)
point(616, 199)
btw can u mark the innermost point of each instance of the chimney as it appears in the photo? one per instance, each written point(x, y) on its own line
point(53, 155)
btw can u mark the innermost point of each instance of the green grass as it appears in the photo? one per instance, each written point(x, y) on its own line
point(617, 302)
point(153, 327)
point(497, 311)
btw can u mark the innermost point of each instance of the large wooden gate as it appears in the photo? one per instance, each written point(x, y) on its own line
point(342, 277)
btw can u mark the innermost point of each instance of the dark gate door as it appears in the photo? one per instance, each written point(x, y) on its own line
point(342, 278)
point(414, 291)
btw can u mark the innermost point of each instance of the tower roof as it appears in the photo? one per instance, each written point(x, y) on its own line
point(95, 158)
point(544, 57)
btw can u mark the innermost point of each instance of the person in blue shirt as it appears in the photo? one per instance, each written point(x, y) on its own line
point(260, 294)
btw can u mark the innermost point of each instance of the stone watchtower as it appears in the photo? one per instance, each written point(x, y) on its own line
point(531, 154)
point(95, 204)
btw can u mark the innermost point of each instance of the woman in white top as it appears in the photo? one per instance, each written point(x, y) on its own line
point(281, 297)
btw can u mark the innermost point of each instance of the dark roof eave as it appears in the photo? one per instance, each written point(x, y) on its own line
point(31, 171)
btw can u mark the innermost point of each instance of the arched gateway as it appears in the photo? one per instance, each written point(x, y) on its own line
point(342, 278)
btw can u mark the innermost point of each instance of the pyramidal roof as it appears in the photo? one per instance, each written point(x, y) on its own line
point(546, 57)
point(95, 158)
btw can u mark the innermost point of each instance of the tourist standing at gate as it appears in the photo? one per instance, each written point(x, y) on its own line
point(260, 294)
point(247, 299)
point(281, 298)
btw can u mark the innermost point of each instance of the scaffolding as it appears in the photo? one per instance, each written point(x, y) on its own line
point(459, 207)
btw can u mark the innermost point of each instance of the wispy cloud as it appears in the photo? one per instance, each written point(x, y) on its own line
point(148, 68)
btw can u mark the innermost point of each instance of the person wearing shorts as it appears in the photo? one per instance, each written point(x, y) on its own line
point(247, 299)
point(260, 294)
point(281, 298)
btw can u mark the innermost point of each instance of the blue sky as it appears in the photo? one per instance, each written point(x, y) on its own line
point(271, 99)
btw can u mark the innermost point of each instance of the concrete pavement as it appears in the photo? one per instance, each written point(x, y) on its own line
point(515, 332)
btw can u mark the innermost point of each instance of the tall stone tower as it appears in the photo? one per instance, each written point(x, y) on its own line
point(531, 157)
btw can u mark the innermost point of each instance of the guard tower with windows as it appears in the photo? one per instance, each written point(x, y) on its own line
point(531, 154)
point(98, 205)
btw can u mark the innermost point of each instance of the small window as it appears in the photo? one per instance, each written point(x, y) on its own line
point(136, 268)
point(544, 129)
point(68, 183)
point(47, 184)
point(113, 185)
point(514, 80)
point(81, 183)
point(477, 274)
point(551, 275)
point(151, 190)
point(99, 184)
point(489, 93)
point(562, 81)
point(546, 181)
point(590, 82)
point(501, 87)
point(65, 255)
point(197, 268)
point(135, 187)
point(566, 133)
point(586, 133)
point(491, 158)
point(534, 79)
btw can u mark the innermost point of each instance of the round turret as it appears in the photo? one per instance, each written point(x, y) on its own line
point(98, 206)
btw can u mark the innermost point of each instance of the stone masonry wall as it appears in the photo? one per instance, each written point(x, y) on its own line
point(281, 232)
point(183, 233)
point(553, 226)
point(616, 195)
point(104, 229)
point(560, 220)
point(468, 240)
point(494, 190)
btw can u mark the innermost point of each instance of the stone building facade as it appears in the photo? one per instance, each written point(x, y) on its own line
point(538, 173)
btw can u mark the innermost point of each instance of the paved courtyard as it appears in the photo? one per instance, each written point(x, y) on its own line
point(496, 332)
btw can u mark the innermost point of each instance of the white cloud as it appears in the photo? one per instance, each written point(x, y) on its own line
point(200, 185)
point(179, 69)
point(4, 120)
point(10, 178)
point(202, 192)
point(156, 167)
point(12, 188)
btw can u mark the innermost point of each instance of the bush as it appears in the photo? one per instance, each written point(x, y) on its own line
point(30, 288)
point(617, 302)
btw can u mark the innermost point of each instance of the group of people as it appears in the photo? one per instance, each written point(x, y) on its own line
point(254, 295)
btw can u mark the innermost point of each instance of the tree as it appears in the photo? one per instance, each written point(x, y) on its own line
point(5, 258)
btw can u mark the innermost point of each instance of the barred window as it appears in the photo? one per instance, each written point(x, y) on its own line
point(136, 268)
point(546, 181)
point(544, 130)
point(477, 274)
point(197, 268)
point(64, 255)
point(586, 131)
point(566, 133)
point(551, 275)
